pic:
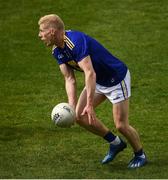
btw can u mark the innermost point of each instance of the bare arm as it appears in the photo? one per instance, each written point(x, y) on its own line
point(90, 78)
point(70, 84)
point(90, 83)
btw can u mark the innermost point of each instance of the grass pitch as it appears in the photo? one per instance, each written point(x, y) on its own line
point(31, 84)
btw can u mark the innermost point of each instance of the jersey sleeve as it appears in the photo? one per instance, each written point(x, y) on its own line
point(81, 47)
point(56, 56)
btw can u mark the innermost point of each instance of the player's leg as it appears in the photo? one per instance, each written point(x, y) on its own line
point(98, 128)
point(120, 114)
point(118, 96)
point(114, 149)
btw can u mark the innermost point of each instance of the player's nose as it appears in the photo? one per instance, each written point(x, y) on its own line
point(39, 35)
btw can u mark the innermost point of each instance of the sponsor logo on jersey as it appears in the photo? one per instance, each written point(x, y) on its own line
point(60, 56)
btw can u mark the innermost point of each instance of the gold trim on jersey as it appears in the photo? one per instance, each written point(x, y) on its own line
point(74, 65)
point(53, 48)
point(68, 42)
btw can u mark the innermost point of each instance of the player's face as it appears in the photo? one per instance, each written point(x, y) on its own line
point(50, 36)
point(45, 35)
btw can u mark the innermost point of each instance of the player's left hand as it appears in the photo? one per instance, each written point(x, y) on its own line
point(90, 112)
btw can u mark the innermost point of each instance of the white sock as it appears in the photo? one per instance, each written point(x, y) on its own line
point(116, 141)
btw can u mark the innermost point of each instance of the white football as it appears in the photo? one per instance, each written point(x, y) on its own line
point(63, 115)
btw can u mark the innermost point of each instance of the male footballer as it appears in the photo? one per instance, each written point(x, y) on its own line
point(106, 77)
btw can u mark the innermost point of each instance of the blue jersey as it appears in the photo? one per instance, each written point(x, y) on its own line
point(109, 70)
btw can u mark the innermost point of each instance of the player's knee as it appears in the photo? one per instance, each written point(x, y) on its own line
point(82, 120)
point(121, 127)
point(121, 123)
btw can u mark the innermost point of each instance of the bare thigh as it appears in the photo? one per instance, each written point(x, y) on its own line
point(98, 127)
point(120, 114)
point(98, 99)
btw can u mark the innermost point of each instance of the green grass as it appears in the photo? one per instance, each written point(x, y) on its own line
point(31, 84)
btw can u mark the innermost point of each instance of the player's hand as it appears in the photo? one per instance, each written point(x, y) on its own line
point(90, 112)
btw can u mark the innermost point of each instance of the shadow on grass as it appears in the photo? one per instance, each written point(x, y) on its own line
point(10, 133)
point(116, 166)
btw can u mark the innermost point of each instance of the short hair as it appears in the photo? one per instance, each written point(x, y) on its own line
point(52, 20)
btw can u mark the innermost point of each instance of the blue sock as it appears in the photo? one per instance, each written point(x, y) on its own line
point(109, 137)
point(139, 153)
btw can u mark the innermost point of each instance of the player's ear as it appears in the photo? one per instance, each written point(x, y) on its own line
point(52, 31)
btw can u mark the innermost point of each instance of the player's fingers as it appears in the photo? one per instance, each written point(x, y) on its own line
point(90, 119)
point(93, 119)
point(83, 113)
